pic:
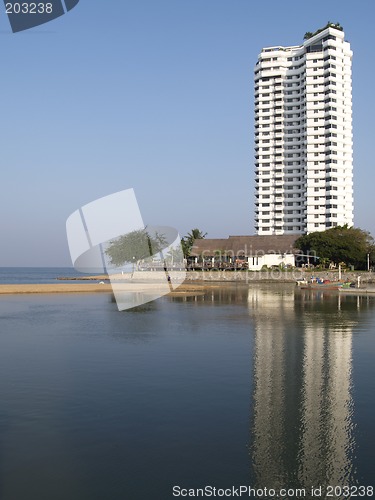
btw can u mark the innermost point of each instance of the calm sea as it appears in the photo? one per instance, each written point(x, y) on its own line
point(17, 275)
point(260, 386)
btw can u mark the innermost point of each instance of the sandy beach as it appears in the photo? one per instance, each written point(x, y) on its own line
point(72, 287)
point(55, 288)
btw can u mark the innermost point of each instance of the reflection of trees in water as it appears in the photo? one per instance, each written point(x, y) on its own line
point(302, 423)
point(147, 307)
point(137, 325)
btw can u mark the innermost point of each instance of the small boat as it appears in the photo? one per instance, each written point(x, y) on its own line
point(320, 284)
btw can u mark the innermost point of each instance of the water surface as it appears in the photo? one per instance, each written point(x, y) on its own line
point(39, 275)
point(263, 386)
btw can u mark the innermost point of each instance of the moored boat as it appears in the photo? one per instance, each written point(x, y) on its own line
point(320, 284)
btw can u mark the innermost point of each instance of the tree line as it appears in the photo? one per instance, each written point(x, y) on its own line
point(341, 244)
point(141, 244)
point(350, 245)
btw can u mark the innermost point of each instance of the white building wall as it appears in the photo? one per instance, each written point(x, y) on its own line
point(256, 263)
point(303, 136)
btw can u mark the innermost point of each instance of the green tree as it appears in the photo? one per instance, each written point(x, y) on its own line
point(308, 35)
point(134, 247)
point(187, 241)
point(339, 244)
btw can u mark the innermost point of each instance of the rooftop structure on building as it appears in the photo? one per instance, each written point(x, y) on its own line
point(303, 135)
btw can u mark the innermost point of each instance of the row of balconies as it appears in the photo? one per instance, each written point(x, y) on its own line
point(307, 205)
point(310, 153)
point(285, 218)
point(323, 121)
point(309, 171)
point(280, 196)
point(307, 215)
point(304, 201)
point(268, 69)
point(316, 61)
point(305, 113)
point(278, 205)
point(261, 184)
point(271, 180)
point(344, 139)
point(324, 140)
point(309, 104)
point(264, 218)
point(325, 124)
point(279, 189)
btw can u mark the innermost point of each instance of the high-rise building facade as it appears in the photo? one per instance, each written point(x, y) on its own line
point(303, 135)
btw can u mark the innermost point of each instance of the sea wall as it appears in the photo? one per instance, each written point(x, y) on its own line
point(278, 276)
point(270, 276)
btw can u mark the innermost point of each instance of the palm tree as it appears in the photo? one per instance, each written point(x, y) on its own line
point(188, 240)
point(196, 234)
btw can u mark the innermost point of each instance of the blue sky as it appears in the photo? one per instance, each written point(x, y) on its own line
point(156, 95)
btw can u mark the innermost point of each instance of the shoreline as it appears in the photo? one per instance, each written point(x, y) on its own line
point(238, 276)
point(17, 289)
point(196, 282)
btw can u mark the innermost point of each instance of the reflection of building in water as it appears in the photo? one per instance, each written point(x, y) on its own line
point(302, 421)
point(326, 405)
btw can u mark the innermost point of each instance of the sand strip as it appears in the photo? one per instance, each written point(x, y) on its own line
point(94, 288)
point(55, 288)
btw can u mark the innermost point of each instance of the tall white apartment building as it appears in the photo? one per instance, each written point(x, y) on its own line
point(303, 135)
